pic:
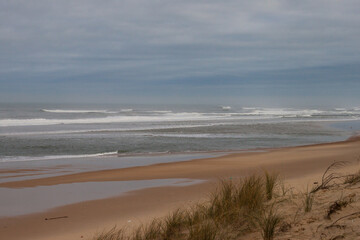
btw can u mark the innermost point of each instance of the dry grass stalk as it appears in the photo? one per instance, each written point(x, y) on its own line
point(329, 176)
point(337, 206)
point(352, 179)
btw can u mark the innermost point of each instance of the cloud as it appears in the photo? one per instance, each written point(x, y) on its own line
point(129, 42)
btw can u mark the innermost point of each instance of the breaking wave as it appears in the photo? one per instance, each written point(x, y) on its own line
point(75, 111)
point(168, 116)
point(38, 158)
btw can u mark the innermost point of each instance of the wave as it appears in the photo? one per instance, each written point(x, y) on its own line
point(51, 157)
point(283, 111)
point(75, 111)
point(216, 135)
point(127, 110)
point(168, 116)
point(164, 127)
point(289, 112)
point(226, 108)
point(249, 108)
point(109, 130)
point(159, 111)
point(111, 119)
point(121, 119)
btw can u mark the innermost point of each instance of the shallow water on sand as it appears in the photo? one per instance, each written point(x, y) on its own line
point(22, 201)
point(18, 170)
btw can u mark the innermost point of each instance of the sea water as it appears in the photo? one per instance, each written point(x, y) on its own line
point(30, 132)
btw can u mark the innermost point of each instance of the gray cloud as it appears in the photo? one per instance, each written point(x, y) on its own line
point(158, 40)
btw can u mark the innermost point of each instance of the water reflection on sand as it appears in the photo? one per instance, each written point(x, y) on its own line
point(21, 201)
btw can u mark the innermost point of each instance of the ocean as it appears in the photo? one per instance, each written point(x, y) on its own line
point(31, 132)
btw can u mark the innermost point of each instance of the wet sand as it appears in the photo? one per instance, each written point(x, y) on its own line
point(300, 166)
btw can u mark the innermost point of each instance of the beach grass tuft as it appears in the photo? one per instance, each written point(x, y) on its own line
point(251, 193)
point(308, 200)
point(268, 220)
point(151, 231)
point(270, 184)
point(204, 231)
point(173, 225)
point(352, 179)
point(329, 176)
point(227, 214)
point(112, 234)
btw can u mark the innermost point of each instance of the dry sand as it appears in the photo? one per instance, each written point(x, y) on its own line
point(300, 166)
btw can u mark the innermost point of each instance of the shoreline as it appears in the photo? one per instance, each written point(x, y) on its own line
point(117, 174)
point(299, 165)
point(324, 123)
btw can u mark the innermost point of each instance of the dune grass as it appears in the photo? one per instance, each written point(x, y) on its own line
point(270, 184)
point(329, 176)
point(236, 208)
point(268, 220)
point(173, 225)
point(204, 231)
point(112, 234)
point(308, 200)
point(227, 214)
point(352, 179)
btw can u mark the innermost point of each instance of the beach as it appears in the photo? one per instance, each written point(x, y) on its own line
point(299, 166)
point(179, 120)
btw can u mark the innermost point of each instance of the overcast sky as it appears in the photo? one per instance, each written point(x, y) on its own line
point(237, 52)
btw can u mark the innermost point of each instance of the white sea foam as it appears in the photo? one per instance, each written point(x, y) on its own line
point(284, 112)
point(39, 158)
point(127, 110)
point(111, 119)
point(289, 112)
point(107, 130)
point(168, 116)
point(249, 108)
point(75, 111)
point(159, 111)
point(223, 136)
point(226, 108)
point(209, 135)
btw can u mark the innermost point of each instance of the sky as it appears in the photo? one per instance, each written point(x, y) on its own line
point(256, 52)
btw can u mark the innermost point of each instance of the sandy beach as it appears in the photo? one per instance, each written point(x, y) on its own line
point(299, 166)
point(179, 120)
